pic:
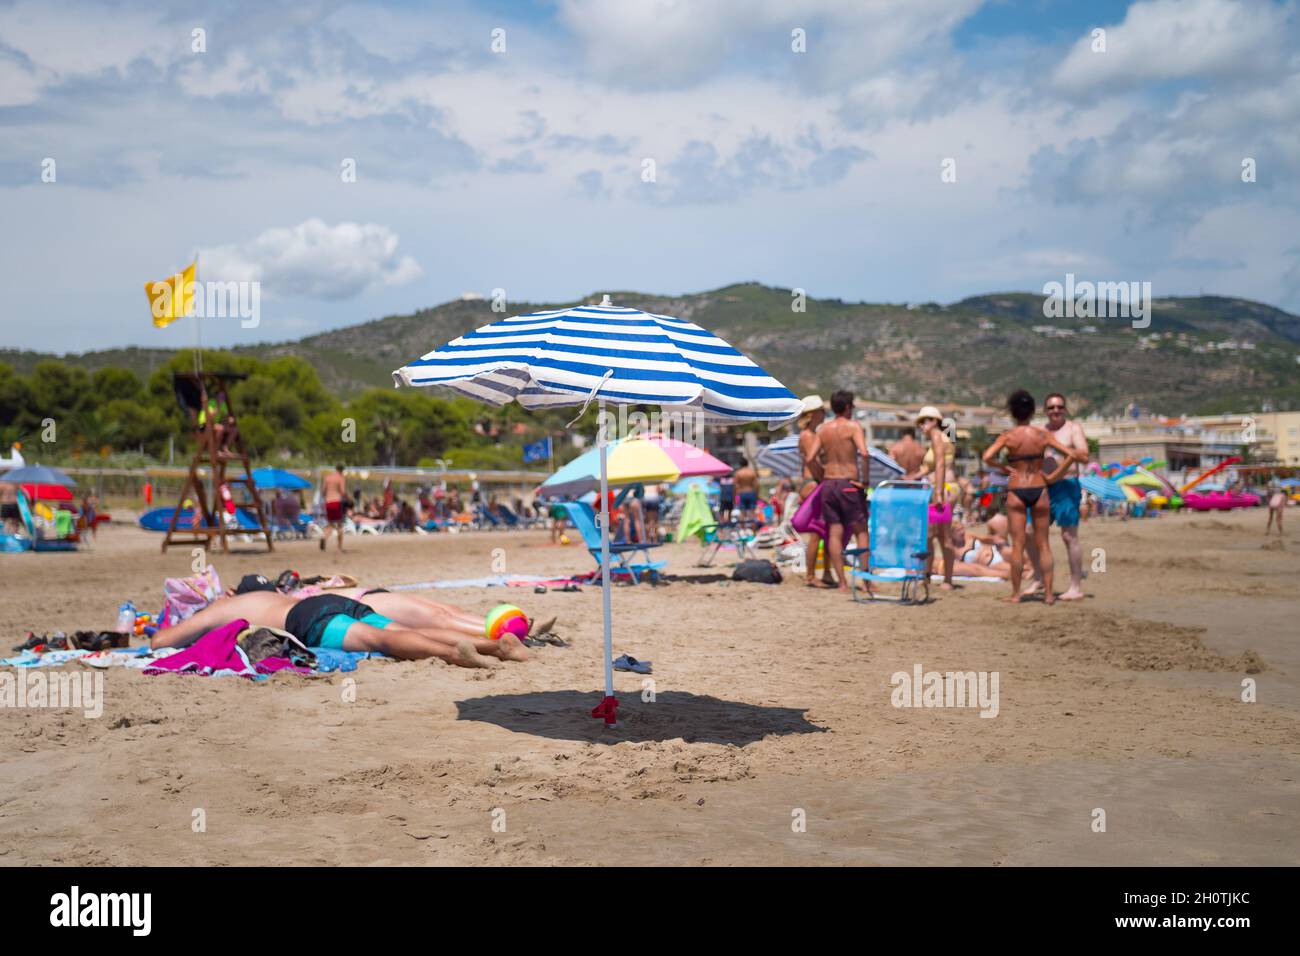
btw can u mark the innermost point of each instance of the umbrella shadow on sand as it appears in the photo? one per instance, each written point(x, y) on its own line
point(565, 715)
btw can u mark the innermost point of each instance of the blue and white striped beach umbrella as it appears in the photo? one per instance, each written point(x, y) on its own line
point(608, 354)
point(560, 357)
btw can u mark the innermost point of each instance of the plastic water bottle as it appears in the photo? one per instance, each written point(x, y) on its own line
point(126, 618)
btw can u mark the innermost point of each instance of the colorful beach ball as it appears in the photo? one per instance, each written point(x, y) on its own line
point(505, 619)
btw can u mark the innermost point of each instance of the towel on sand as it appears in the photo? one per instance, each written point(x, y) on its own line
point(217, 654)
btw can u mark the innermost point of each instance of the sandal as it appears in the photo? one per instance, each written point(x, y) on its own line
point(626, 663)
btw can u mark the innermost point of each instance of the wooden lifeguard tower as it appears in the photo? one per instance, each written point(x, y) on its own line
point(205, 399)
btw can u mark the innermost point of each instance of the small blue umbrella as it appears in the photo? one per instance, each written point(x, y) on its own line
point(279, 478)
point(566, 357)
point(782, 458)
point(684, 485)
point(38, 475)
point(1104, 488)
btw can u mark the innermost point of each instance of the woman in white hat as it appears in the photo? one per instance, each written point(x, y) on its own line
point(937, 468)
point(810, 525)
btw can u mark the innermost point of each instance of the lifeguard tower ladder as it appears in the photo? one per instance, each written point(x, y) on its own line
point(205, 399)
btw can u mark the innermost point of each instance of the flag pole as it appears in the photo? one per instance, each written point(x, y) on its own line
point(198, 338)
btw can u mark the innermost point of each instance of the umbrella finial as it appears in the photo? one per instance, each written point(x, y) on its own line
point(604, 301)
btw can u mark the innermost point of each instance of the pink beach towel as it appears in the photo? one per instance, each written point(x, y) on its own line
point(809, 515)
point(217, 654)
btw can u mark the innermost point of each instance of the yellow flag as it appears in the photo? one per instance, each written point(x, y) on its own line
point(173, 297)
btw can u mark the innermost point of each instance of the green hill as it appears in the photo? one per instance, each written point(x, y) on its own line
point(972, 351)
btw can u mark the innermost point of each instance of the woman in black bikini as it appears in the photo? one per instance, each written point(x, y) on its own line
point(1027, 486)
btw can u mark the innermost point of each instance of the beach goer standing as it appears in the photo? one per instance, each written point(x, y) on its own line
point(1026, 484)
point(650, 503)
point(844, 498)
point(726, 498)
point(334, 489)
point(937, 467)
point(90, 513)
point(746, 479)
point(907, 451)
point(814, 413)
point(9, 512)
point(1276, 506)
point(1066, 494)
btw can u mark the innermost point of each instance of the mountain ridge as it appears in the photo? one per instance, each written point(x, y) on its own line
point(1200, 354)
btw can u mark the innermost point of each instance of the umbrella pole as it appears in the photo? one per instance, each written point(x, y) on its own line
point(608, 707)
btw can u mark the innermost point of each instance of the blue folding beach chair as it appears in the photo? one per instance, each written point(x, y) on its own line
point(583, 518)
point(899, 528)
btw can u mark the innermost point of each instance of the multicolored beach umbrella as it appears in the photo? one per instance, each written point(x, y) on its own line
point(565, 357)
point(631, 460)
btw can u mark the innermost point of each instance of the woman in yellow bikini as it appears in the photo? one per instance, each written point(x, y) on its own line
point(1027, 486)
point(937, 467)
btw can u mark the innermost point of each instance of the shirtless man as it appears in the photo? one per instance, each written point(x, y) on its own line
point(1065, 494)
point(814, 413)
point(844, 499)
point(746, 479)
point(334, 488)
point(341, 623)
point(907, 451)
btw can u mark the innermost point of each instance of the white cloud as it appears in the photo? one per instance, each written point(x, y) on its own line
point(314, 260)
point(64, 42)
point(674, 43)
point(208, 76)
point(19, 85)
point(1174, 39)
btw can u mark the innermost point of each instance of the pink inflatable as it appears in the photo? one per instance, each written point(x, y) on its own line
point(1218, 501)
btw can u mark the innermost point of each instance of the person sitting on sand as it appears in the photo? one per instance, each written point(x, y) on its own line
point(1025, 445)
point(337, 622)
point(982, 556)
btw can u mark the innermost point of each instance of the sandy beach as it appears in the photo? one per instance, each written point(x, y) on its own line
point(771, 705)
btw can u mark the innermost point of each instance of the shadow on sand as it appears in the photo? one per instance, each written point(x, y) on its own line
point(566, 715)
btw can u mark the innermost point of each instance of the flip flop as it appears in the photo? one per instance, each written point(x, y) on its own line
point(534, 628)
point(626, 663)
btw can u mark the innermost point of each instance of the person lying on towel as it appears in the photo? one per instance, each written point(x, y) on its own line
point(407, 610)
point(334, 621)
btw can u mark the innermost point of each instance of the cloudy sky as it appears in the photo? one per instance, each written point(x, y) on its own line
point(525, 167)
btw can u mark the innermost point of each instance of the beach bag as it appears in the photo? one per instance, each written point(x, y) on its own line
point(757, 570)
point(182, 597)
